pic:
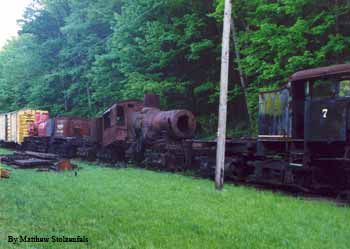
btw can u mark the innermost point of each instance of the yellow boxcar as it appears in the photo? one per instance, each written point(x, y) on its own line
point(18, 124)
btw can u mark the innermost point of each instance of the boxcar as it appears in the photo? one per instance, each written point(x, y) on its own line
point(72, 127)
point(3, 132)
point(15, 126)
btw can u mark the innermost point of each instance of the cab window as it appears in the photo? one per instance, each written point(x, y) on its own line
point(330, 88)
point(107, 120)
point(344, 88)
point(323, 89)
point(120, 116)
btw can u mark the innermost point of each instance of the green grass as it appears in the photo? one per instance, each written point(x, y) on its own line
point(134, 208)
point(5, 151)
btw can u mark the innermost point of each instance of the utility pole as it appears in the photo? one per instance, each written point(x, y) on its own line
point(225, 58)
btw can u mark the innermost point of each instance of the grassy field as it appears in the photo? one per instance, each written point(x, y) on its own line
point(134, 208)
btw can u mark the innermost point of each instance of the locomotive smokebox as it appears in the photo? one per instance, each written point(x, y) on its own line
point(153, 122)
point(180, 123)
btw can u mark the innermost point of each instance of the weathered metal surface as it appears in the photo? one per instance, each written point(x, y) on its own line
point(63, 165)
point(25, 119)
point(328, 120)
point(19, 124)
point(4, 173)
point(46, 128)
point(117, 121)
point(72, 127)
point(274, 113)
point(321, 72)
point(152, 122)
point(96, 130)
point(40, 117)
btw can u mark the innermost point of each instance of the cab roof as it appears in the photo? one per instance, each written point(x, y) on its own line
point(124, 102)
point(320, 72)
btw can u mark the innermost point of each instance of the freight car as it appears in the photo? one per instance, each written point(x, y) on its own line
point(61, 135)
point(16, 126)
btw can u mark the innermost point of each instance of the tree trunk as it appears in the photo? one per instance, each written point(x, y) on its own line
point(88, 96)
point(241, 74)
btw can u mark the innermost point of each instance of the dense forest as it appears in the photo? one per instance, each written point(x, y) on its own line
point(77, 57)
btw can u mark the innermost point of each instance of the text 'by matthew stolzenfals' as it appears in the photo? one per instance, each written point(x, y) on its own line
point(52, 239)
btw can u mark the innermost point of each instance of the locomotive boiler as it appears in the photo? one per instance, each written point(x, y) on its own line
point(159, 136)
point(140, 131)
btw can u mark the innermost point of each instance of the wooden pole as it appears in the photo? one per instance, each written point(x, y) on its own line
point(225, 57)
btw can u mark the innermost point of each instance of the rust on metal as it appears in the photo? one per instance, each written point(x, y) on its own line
point(4, 173)
point(64, 165)
point(96, 130)
point(320, 72)
point(72, 127)
point(274, 113)
point(178, 123)
point(117, 121)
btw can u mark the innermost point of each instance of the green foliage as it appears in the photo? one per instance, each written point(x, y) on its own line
point(278, 38)
point(80, 56)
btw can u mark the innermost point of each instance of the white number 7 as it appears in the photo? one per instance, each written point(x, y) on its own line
point(324, 112)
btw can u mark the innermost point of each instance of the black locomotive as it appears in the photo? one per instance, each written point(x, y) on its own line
point(304, 135)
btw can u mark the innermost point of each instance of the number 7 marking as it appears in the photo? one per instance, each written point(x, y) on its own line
point(324, 112)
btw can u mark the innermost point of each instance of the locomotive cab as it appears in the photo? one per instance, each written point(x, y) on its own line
point(327, 109)
point(326, 92)
point(313, 108)
point(116, 121)
point(304, 128)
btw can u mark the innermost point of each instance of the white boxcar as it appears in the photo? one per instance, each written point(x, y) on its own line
point(3, 127)
point(12, 127)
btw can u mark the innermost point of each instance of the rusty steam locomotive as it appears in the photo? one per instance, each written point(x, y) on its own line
point(303, 141)
point(128, 130)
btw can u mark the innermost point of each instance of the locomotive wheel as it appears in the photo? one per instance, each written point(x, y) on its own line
point(238, 170)
point(344, 196)
point(137, 148)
